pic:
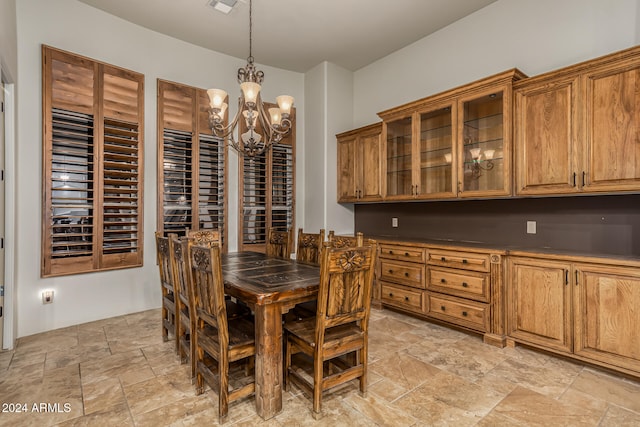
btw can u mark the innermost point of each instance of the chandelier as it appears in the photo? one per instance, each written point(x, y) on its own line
point(275, 124)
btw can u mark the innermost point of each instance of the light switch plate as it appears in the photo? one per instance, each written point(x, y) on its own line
point(394, 222)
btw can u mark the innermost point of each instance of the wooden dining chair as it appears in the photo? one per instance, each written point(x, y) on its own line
point(339, 330)
point(308, 247)
point(170, 316)
point(341, 241)
point(219, 344)
point(186, 301)
point(278, 244)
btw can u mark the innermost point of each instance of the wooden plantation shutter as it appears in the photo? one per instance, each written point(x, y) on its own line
point(93, 121)
point(267, 190)
point(191, 163)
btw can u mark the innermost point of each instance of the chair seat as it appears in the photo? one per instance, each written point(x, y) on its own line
point(241, 333)
point(235, 310)
point(305, 331)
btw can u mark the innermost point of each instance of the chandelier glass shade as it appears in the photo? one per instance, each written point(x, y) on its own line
point(264, 127)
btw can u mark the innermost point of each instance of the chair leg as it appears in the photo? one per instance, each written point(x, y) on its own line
point(318, 365)
point(199, 377)
point(165, 331)
point(287, 363)
point(362, 359)
point(192, 351)
point(223, 391)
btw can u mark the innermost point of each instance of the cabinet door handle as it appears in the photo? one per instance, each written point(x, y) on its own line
point(464, 313)
point(443, 308)
point(390, 271)
point(584, 178)
point(577, 277)
point(390, 252)
point(443, 259)
point(464, 261)
point(406, 254)
point(464, 284)
point(390, 294)
point(574, 179)
point(406, 298)
point(566, 277)
point(406, 274)
point(443, 280)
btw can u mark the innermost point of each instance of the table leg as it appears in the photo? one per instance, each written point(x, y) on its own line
point(268, 321)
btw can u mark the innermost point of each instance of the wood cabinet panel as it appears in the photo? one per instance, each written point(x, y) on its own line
point(359, 164)
point(607, 318)
point(459, 311)
point(546, 138)
point(459, 260)
point(460, 283)
point(612, 104)
point(404, 298)
point(539, 303)
point(405, 273)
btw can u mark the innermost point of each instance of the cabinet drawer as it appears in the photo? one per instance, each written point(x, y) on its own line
point(403, 298)
point(466, 313)
point(459, 282)
point(402, 253)
point(462, 260)
point(404, 273)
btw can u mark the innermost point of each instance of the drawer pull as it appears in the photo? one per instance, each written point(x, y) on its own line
point(406, 254)
point(390, 271)
point(390, 294)
point(465, 285)
point(443, 259)
point(443, 280)
point(406, 298)
point(406, 274)
point(390, 252)
point(464, 313)
point(443, 308)
point(464, 261)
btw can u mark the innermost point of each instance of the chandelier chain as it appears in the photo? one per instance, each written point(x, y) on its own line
point(250, 30)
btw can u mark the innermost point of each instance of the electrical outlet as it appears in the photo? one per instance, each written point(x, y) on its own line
point(531, 227)
point(394, 222)
point(47, 297)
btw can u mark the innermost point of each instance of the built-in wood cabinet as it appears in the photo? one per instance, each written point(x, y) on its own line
point(539, 302)
point(581, 307)
point(456, 286)
point(454, 144)
point(359, 164)
point(576, 128)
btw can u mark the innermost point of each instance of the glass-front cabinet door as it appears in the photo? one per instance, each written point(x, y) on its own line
point(399, 158)
point(437, 156)
point(484, 146)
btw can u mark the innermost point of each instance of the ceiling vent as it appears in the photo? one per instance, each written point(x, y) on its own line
point(224, 6)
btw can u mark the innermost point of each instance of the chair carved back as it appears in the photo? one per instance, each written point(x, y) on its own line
point(205, 237)
point(181, 273)
point(206, 273)
point(346, 280)
point(163, 251)
point(278, 244)
point(345, 241)
point(309, 247)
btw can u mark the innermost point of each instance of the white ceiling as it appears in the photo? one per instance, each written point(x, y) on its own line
point(297, 35)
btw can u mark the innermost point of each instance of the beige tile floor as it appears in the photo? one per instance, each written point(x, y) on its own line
point(118, 372)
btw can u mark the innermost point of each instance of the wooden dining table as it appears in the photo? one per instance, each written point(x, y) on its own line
point(270, 287)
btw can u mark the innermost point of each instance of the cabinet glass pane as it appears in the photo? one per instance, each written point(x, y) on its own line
point(435, 151)
point(483, 149)
point(399, 157)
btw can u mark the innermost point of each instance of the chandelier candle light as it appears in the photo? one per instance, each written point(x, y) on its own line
point(275, 125)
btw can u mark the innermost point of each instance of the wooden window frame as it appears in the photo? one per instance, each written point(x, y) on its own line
point(288, 142)
point(183, 111)
point(93, 165)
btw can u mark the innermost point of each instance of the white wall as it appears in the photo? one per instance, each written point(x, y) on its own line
point(76, 27)
point(533, 35)
point(8, 40)
point(329, 97)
